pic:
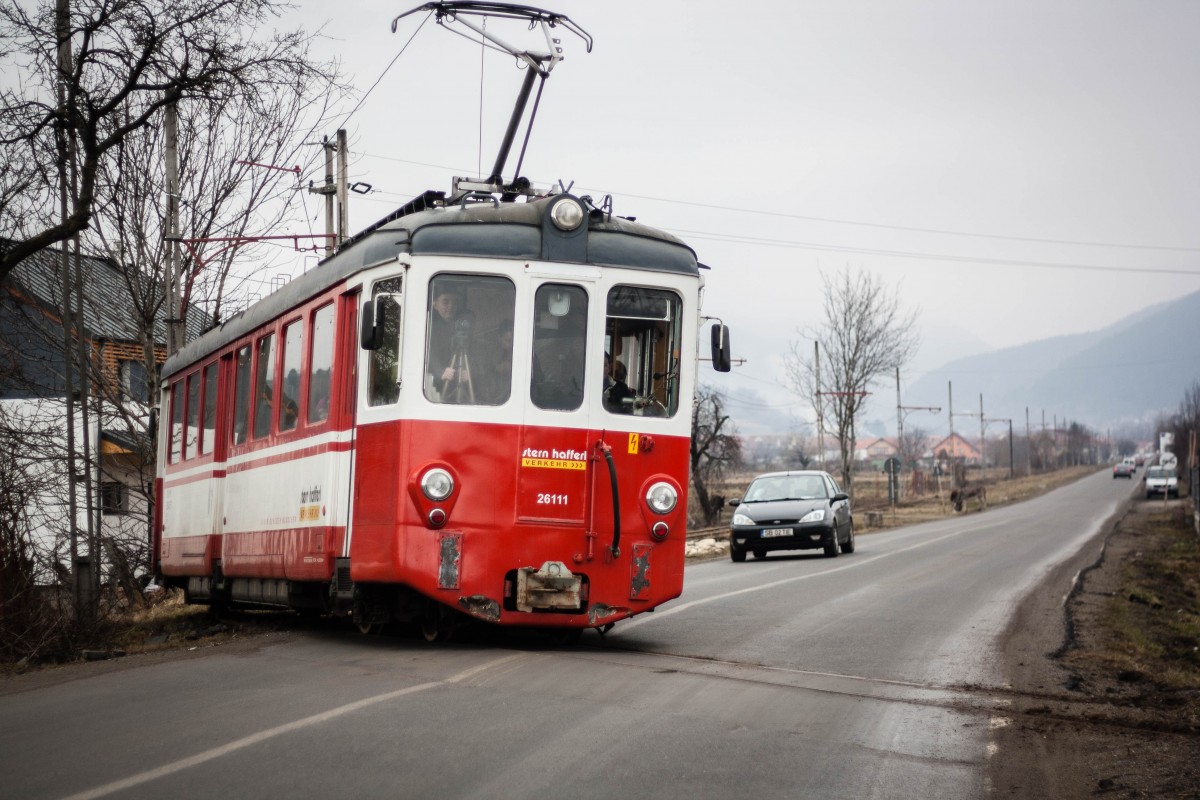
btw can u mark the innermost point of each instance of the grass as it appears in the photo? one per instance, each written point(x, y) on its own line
point(1153, 620)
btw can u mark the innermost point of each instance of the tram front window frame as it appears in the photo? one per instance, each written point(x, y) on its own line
point(469, 339)
point(642, 343)
point(559, 371)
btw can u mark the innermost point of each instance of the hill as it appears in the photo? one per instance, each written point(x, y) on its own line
point(1125, 372)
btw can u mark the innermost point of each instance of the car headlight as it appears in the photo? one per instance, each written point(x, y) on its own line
point(742, 519)
point(816, 515)
point(437, 484)
point(662, 497)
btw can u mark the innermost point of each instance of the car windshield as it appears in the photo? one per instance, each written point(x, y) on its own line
point(1161, 472)
point(785, 487)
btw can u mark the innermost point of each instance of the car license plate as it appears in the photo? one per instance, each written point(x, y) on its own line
point(771, 532)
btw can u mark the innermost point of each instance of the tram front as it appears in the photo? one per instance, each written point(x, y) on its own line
point(525, 394)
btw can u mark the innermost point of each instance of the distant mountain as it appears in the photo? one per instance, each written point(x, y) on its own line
point(1129, 370)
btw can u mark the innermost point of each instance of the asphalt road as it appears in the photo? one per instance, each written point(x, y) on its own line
point(872, 675)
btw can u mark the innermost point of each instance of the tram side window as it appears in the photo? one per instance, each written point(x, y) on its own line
point(559, 347)
point(264, 385)
point(209, 431)
point(384, 371)
point(320, 365)
point(191, 436)
point(641, 352)
point(176, 422)
point(468, 344)
point(289, 409)
point(241, 395)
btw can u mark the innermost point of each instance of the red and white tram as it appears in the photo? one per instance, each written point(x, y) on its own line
point(477, 407)
point(474, 406)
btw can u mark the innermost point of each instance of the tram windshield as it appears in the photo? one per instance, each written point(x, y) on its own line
point(641, 352)
point(469, 340)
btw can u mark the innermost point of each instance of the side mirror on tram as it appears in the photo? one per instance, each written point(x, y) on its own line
point(371, 337)
point(721, 359)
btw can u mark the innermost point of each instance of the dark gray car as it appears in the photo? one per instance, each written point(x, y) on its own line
point(795, 510)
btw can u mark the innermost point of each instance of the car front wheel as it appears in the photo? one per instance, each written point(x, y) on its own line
point(737, 553)
point(831, 549)
point(848, 545)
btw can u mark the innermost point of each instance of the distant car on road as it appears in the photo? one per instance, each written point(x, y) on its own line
point(795, 510)
point(1123, 469)
point(1160, 481)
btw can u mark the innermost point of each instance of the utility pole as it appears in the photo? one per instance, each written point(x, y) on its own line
point(335, 192)
point(953, 449)
point(900, 414)
point(62, 13)
point(982, 440)
point(1028, 446)
point(820, 403)
point(329, 190)
point(343, 231)
point(174, 311)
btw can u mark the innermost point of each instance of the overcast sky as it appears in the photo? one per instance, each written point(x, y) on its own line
point(1018, 169)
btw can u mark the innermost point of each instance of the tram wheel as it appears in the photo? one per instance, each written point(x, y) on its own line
point(436, 624)
point(369, 628)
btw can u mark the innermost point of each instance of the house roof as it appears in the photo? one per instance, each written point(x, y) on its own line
point(961, 446)
point(108, 308)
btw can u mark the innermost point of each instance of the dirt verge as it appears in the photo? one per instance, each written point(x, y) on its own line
point(1104, 663)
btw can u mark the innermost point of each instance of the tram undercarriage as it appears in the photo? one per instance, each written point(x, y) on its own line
point(551, 589)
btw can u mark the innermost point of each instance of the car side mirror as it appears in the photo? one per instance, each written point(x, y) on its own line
point(840, 496)
point(733, 502)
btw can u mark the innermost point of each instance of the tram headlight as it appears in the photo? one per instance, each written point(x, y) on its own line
point(437, 484)
point(566, 215)
point(662, 497)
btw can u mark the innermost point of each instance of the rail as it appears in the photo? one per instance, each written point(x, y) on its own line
point(704, 533)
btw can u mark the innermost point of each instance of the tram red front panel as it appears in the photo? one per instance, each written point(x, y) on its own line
point(524, 496)
point(552, 480)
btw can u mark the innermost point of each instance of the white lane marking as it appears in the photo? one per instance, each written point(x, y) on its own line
point(857, 562)
point(262, 736)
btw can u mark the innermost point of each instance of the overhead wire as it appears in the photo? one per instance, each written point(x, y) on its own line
point(766, 242)
point(762, 212)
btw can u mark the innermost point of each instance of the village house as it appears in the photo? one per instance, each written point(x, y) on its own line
point(115, 447)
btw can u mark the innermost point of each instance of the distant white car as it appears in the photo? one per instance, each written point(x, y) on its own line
point(1160, 481)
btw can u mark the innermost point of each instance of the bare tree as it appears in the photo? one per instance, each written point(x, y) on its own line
point(912, 446)
point(715, 448)
point(864, 336)
point(128, 59)
point(88, 125)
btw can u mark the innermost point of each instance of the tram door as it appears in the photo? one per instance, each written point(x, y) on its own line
point(375, 451)
point(348, 357)
point(553, 479)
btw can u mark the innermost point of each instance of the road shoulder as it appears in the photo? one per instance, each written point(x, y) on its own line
point(1078, 726)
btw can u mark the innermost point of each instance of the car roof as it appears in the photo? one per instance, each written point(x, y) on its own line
point(789, 472)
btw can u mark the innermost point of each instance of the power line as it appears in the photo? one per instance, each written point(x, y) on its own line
point(754, 240)
point(909, 229)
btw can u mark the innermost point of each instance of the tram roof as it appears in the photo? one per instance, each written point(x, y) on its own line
point(427, 226)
